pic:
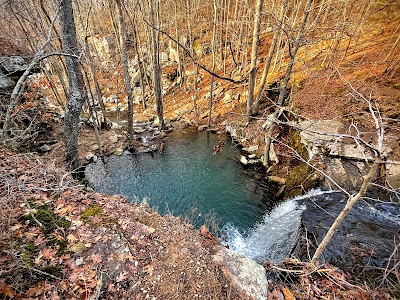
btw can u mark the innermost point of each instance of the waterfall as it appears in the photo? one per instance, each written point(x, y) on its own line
point(275, 236)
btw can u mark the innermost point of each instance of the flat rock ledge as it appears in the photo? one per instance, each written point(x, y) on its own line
point(248, 277)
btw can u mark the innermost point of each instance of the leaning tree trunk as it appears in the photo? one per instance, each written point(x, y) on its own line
point(76, 95)
point(282, 93)
point(346, 209)
point(126, 71)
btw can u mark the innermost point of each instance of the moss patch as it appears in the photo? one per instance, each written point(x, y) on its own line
point(300, 177)
point(47, 218)
point(92, 211)
point(297, 181)
point(30, 247)
point(54, 270)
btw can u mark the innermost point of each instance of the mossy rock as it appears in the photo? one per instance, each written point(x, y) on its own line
point(92, 211)
point(296, 182)
point(295, 140)
point(47, 218)
point(30, 247)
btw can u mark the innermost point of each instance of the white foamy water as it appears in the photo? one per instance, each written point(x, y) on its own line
point(274, 238)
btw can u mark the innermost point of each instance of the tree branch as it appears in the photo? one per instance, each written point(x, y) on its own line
point(187, 52)
point(18, 87)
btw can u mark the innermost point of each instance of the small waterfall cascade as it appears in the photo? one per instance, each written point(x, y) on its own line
point(273, 238)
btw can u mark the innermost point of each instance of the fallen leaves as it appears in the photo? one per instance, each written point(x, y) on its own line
point(288, 294)
point(96, 258)
point(71, 238)
point(15, 227)
point(6, 290)
point(49, 253)
point(121, 277)
point(149, 268)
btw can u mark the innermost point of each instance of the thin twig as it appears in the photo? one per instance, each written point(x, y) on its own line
point(41, 272)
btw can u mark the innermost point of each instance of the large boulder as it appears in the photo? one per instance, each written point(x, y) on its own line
point(316, 134)
point(13, 64)
point(248, 277)
point(6, 82)
point(11, 68)
point(347, 159)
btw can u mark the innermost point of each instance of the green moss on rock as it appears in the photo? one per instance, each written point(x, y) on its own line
point(92, 211)
point(300, 177)
point(47, 218)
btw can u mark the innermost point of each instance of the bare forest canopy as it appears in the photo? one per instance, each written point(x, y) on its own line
point(185, 32)
point(208, 59)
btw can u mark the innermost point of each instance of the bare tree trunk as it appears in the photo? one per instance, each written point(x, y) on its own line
point(76, 95)
point(260, 88)
point(127, 78)
point(58, 69)
point(196, 111)
point(177, 46)
point(350, 203)
point(61, 68)
point(189, 25)
point(156, 68)
point(137, 47)
point(52, 86)
point(282, 93)
point(93, 112)
point(254, 50)
point(210, 104)
point(94, 73)
point(227, 8)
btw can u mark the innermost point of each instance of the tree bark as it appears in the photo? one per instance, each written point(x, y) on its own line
point(177, 46)
point(260, 88)
point(254, 50)
point(210, 103)
point(127, 77)
point(156, 69)
point(76, 95)
point(346, 209)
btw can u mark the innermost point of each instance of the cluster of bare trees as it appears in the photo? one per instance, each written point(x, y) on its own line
point(226, 29)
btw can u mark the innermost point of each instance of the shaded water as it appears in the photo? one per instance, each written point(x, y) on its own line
point(188, 180)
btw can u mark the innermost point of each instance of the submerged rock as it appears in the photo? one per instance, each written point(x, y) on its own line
point(248, 277)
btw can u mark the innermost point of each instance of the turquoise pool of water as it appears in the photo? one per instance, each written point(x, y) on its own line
point(188, 180)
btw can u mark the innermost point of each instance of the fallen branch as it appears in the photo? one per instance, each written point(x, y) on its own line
point(41, 272)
